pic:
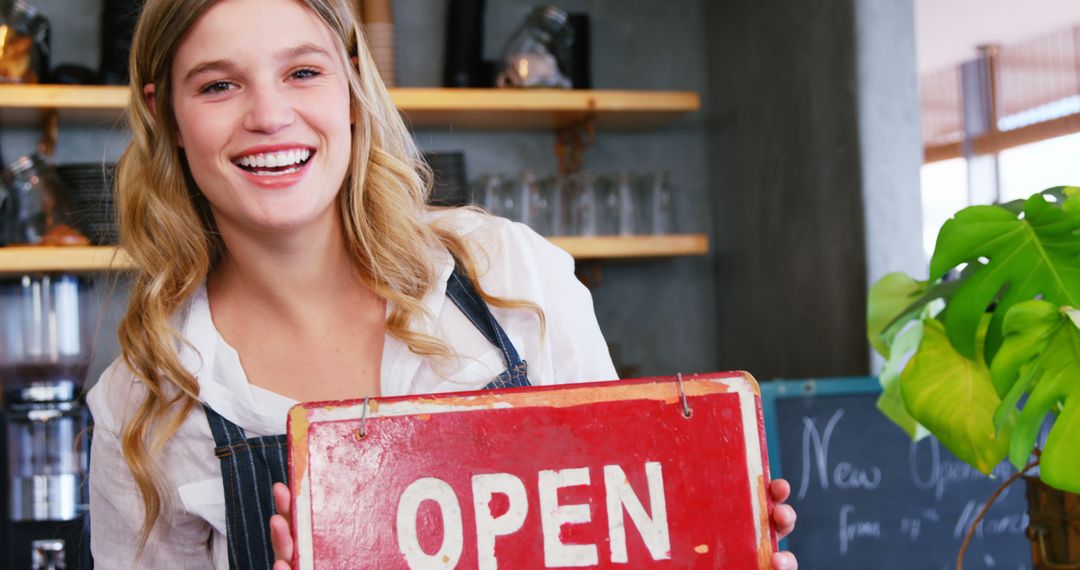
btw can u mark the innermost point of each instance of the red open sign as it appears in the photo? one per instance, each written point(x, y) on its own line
point(588, 475)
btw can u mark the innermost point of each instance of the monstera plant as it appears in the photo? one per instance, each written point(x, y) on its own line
point(988, 347)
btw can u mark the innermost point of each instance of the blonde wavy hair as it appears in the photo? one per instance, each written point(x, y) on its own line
point(167, 229)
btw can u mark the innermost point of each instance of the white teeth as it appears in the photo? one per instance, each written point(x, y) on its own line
point(276, 173)
point(275, 159)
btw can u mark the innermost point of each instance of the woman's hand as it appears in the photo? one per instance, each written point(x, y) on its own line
point(784, 518)
point(281, 529)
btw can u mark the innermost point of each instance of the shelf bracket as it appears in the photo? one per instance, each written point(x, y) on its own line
point(50, 131)
point(572, 140)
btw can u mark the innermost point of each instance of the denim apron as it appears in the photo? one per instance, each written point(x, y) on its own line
point(251, 466)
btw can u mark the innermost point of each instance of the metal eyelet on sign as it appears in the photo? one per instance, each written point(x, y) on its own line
point(362, 432)
point(686, 411)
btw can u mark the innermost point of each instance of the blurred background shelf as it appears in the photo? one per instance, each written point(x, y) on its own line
point(17, 260)
point(505, 109)
point(77, 259)
point(633, 247)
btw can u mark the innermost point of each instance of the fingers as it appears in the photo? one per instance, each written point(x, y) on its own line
point(780, 561)
point(280, 531)
point(784, 518)
point(780, 490)
point(783, 515)
point(282, 499)
point(281, 539)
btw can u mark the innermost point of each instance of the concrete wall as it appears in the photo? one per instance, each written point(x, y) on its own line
point(660, 316)
point(814, 150)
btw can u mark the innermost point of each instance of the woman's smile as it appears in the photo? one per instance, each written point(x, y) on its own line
point(275, 166)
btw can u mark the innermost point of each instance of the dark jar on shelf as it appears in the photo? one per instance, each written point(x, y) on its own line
point(36, 211)
point(538, 53)
point(24, 43)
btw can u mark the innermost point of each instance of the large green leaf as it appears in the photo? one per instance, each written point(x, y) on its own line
point(1041, 352)
point(887, 313)
point(1027, 328)
point(886, 301)
point(954, 397)
point(1033, 256)
point(891, 402)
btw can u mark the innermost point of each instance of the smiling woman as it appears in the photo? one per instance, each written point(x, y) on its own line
point(274, 204)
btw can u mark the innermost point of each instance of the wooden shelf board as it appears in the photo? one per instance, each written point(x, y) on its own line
point(623, 247)
point(75, 259)
point(63, 96)
point(17, 260)
point(422, 107)
point(540, 108)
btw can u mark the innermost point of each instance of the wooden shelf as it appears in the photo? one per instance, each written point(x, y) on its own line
point(17, 260)
point(76, 259)
point(633, 247)
point(506, 109)
point(63, 97)
point(541, 108)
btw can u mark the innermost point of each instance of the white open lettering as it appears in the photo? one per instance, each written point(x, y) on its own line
point(489, 526)
point(620, 496)
point(492, 521)
point(430, 489)
point(553, 516)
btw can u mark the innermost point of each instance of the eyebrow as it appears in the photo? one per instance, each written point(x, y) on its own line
point(226, 65)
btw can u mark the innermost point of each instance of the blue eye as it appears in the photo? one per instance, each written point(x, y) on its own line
point(306, 73)
point(215, 87)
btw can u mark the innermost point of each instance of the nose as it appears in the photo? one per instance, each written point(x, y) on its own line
point(269, 109)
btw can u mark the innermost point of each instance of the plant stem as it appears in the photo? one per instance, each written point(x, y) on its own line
point(982, 513)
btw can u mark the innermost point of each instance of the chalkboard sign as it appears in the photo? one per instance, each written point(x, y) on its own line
point(869, 497)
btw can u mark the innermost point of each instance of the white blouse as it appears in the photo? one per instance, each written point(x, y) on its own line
point(514, 263)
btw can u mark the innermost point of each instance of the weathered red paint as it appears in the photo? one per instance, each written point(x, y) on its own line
point(712, 465)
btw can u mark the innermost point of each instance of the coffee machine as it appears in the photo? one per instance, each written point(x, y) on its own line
point(46, 325)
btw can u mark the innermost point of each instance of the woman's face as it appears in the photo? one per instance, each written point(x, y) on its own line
point(262, 103)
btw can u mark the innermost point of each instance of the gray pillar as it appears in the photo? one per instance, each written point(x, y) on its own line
point(890, 138)
point(815, 153)
point(980, 118)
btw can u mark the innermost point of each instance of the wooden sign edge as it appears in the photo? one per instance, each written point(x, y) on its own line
point(665, 388)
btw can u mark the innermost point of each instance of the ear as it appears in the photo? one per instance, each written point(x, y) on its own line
point(148, 93)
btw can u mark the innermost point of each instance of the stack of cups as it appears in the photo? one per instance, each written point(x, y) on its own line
point(378, 19)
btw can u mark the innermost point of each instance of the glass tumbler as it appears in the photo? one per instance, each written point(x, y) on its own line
point(583, 204)
point(535, 203)
point(495, 194)
point(661, 201)
point(632, 211)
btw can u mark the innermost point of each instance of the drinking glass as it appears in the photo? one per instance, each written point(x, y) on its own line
point(584, 204)
point(496, 195)
point(662, 202)
point(633, 210)
point(536, 209)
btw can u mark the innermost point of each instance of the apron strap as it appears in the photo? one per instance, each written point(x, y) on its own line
point(249, 469)
point(462, 292)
